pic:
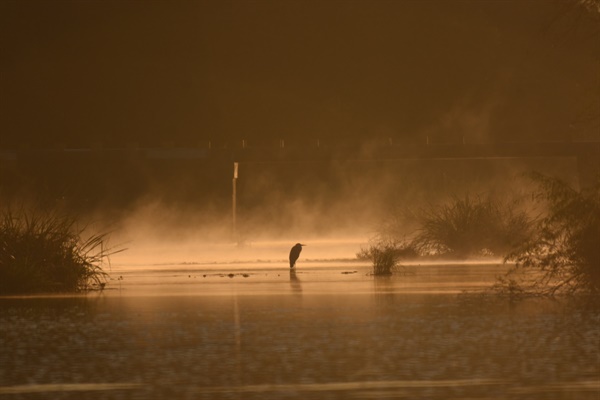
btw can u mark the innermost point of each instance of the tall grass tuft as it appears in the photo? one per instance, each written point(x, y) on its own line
point(45, 252)
point(565, 249)
point(471, 226)
point(386, 255)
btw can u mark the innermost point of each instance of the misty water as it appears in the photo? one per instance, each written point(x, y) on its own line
point(183, 326)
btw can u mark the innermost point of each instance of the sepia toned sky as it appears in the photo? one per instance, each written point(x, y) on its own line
point(116, 72)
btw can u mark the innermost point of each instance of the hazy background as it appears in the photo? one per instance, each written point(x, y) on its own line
point(129, 74)
point(77, 72)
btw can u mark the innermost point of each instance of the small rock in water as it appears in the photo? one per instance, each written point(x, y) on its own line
point(231, 275)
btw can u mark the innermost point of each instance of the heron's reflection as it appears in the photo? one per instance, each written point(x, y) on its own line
point(294, 281)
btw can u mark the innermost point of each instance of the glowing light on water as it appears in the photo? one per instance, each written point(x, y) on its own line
point(191, 252)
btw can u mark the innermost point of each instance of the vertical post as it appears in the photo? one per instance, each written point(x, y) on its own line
point(234, 201)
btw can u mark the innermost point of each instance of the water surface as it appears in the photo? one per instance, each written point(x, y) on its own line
point(253, 330)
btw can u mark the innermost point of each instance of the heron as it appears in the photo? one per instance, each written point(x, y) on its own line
point(295, 253)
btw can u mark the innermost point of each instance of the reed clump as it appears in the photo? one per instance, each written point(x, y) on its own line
point(46, 253)
point(386, 255)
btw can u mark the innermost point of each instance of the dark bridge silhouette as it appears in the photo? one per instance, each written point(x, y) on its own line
point(586, 153)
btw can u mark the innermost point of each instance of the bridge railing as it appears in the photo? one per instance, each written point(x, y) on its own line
point(240, 150)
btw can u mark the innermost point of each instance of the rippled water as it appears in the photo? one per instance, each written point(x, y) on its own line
point(329, 331)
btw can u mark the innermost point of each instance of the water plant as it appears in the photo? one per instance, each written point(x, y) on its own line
point(46, 252)
point(471, 226)
point(386, 254)
point(563, 256)
point(464, 227)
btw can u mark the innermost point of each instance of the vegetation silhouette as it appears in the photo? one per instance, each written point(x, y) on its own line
point(554, 252)
point(471, 226)
point(386, 255)
point(44, 252)
point(465, 227)
point(563, 254)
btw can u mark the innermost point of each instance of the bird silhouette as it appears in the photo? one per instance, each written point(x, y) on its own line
point(295, 253)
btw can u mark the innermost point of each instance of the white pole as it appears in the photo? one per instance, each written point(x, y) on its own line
point(234, 200)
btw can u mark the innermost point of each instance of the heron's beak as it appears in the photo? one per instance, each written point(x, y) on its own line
point(302, 244)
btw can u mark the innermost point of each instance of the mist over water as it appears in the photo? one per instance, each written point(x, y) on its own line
point(335, 208)
point(154, 252)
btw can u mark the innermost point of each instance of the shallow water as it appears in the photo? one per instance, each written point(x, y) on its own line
point(252, 330)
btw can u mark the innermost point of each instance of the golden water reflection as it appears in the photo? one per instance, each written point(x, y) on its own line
point(322, 333)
